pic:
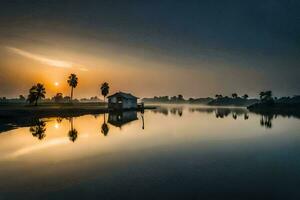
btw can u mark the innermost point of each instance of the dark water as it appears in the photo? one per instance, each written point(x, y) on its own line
point(176, 152)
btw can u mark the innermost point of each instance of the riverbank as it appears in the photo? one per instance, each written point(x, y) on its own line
point(276, 109)
point(21, 115)
point(57, 110)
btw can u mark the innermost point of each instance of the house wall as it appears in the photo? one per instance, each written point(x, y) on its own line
point(129, 103)
point(126, 103)
point(112, 100)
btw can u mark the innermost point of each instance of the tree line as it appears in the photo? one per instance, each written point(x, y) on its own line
point(38, 91)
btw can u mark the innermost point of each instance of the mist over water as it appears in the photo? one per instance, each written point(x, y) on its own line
point(134, 155)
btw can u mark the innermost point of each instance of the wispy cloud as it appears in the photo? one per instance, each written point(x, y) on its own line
point(46, 60)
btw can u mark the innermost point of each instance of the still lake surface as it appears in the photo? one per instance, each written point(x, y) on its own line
point(174, 152)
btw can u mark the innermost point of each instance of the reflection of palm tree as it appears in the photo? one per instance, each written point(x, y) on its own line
point(104, 127)
point(59, 120)
point(142, 115)
point(266, 121)
point(38, 130)
point(234, 115)
point(73, 133)
point(72, 81)
point(180, 112)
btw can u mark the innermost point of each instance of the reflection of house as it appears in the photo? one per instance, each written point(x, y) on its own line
point(121, 100)
point(120, 118)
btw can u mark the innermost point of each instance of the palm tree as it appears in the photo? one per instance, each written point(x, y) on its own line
point(104, 89)
point(36, 92)
point(72, 81)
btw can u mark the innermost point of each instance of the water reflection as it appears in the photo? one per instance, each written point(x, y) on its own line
point(119, 119)
point(73, 133)
point(104, 127)
point(188, 140)
point(221, 112)
point(38, 129)
point(266, 120)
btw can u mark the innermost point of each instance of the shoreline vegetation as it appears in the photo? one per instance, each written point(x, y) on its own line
point(36, 105)
point(15, 115)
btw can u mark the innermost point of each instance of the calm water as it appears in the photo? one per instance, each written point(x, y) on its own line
point(181, 152)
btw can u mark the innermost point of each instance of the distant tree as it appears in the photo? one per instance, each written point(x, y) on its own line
point(66, 98)
point(173, 98)
point(95, 98)
point(58, 97)
point(104, 89)
point(266, 97)
point(72, 81)
point(245, 96)
point(218, 96)
point(191, 99)
point(36, 92)
point(180, 97)
point(22, 98)
point(234, 95)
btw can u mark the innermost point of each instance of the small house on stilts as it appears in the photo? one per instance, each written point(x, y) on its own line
point(122, 101)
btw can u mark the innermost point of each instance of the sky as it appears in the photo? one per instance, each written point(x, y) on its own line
point(167, 47)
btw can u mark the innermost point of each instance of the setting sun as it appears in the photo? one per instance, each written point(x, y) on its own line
point(56, 83)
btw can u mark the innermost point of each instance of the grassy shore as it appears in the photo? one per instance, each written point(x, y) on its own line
point(53, 109)
point(21, 115)
point(49, 110)
point(283, 109)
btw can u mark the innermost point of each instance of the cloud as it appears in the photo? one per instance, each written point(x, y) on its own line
point(45, 60)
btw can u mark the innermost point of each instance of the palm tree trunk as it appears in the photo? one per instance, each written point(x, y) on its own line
point(71, 93)
point(36, 101)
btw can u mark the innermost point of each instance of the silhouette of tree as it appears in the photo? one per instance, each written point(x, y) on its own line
point(234, 95)
point(104, 127)
point(72, 81)
point(38, 130)
point(58, 97)
point(218, 96)
point(266, 97)
point(245, 96)
point(36, 92)
point(22, 98)
point(73, 133)
point(180, 97)
point(104, 89)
